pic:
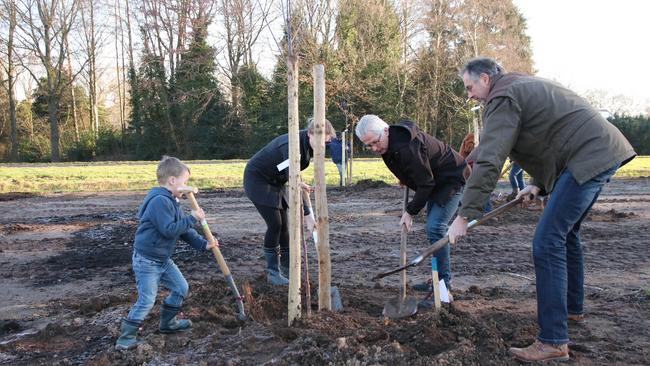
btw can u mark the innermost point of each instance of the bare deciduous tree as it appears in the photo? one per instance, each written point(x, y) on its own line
point(243, 21)
point(44, 25)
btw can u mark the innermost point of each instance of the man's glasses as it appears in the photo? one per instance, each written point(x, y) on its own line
point(374, 142)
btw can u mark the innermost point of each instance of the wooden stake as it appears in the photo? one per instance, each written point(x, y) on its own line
point(322, 219)
point(294, 308)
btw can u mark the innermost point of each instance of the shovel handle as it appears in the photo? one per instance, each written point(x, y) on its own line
point(241, 315)
point(442, 242)
point(402, 247)
point(208, 235)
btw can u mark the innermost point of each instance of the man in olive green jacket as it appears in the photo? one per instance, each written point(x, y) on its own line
point(569, 150)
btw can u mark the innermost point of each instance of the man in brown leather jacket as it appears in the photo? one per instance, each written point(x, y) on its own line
point(568, 149)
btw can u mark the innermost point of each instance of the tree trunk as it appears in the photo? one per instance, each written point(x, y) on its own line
point(11, 82)
point(93, 69)
point(72, 94)
point(52, 110)
point(133, 84)
point(117, 67)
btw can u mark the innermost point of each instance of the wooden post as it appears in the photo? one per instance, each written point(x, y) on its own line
point(294, 308)
point(322, 219)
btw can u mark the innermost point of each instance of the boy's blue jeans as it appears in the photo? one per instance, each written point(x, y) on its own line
point(437, 219)
point(150, 273)
point(557, 254)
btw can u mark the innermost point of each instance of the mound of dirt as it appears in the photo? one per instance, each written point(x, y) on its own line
point(609, 216)
point(365, 184)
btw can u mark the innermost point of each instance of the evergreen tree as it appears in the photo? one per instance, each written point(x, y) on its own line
point(369, 53)
point(157, 131)
point(197, 101)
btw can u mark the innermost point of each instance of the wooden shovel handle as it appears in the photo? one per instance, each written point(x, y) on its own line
point(442, 242)
point(208, 235)
point(402, 247)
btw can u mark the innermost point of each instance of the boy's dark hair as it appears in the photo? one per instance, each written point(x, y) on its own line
point(170, 166)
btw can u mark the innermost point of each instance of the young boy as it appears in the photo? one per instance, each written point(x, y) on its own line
point(162, 222)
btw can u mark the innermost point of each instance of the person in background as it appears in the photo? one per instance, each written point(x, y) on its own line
point(516, 177)
point(335, 147)
point(468, 151)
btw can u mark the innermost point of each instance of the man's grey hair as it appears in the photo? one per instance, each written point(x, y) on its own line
point(370, 123)
point(481, 65)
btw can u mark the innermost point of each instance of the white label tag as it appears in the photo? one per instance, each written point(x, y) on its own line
point(283, 165)
point(444, 294)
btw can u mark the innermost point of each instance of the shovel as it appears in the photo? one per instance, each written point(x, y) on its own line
point(217, 255)
point(402, 306)
point(441, 243)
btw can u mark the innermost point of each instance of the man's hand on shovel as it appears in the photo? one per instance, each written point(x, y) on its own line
point(458, 229)
point(406, 220)
point(530, 192)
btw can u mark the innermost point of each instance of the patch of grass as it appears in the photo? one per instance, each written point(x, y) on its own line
point(141, 175)
point(638, 167)
point(206, 174)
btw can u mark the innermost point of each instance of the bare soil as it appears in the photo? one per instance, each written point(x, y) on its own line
point(66, 282)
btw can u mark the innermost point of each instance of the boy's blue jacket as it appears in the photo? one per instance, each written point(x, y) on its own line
point(162, 222)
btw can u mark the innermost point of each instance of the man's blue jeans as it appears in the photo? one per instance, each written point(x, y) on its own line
point(516, 177)
point(437, 219)
point(150, 273)
point(557, 254)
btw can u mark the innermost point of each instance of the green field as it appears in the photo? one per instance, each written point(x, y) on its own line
point(139, 175)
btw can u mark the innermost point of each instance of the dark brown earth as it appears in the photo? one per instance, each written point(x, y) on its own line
point(66, 282)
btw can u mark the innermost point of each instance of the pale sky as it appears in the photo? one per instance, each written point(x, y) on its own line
point(593, 44)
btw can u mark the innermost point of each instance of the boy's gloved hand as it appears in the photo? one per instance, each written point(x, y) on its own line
point(199, 215)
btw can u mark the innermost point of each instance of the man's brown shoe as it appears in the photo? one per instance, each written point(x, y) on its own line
point(575, 318)
point(539, 351)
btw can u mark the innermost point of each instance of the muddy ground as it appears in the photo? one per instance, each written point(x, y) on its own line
point(66, 282)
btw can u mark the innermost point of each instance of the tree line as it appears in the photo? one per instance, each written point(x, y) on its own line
point(135, 79)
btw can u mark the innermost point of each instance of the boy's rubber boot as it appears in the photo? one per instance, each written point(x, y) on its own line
point(273, 275)
point(129, 331)
point(284, 261)
point(168, 321)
